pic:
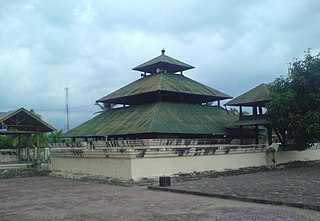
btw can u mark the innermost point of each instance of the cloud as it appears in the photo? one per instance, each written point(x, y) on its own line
point(91, 46)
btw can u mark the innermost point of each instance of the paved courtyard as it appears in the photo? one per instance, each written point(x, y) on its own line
point(51, 198)
point(298, 187)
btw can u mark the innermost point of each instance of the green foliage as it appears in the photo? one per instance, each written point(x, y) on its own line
point(295, 102)
point(6, 142)
point(235, 111)
point(104, 107)
point(55, 137)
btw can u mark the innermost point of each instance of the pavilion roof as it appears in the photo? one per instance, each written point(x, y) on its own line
point(163, 62)
point(258, 96)
point(22, 120)
point(160, 117)
point(251, 121)
point(168, 82)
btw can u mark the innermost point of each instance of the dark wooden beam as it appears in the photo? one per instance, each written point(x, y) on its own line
point(21, 125)
point(254, 110)
point(17, 132)
point(241, 135)
point(279, 135)
point(256, 134)
point(269, 129)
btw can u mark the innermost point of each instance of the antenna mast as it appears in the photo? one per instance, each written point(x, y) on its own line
point(67, 126)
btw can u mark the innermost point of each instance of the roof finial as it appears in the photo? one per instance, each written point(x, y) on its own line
point(162, 51)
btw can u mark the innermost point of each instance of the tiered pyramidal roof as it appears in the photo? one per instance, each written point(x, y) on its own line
point(162, 103)
point(160, 81)
point(163, 63)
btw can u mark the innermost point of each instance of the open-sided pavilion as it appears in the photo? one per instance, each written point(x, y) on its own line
point(21, 122)
point(256, 99)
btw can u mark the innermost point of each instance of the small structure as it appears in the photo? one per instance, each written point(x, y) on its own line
point(256, 99)
point(21, 122)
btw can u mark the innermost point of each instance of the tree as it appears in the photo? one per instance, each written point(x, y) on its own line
point(55, 137)
point(295, 102)
point(104, 107)
point(235, 111)
point(6, 142)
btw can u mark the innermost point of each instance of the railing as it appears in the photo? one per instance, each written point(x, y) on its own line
point(155, 147)
point(8, 152)
point(254, 117)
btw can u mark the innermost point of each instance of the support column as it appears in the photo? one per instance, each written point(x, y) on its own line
point(241, 135)
point(38, 148)
point(256, 134)
point(269, 128)
point(260, 110)
point(254, 110)
point(28, 148)
point(19, 148)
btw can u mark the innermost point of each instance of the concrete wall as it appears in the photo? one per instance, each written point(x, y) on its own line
point(8, 158)
point(153, 167)
point(135, 168)
point(119, 168)
point(289, 156)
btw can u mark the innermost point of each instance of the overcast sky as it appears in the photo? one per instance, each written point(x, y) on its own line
point(91, 47)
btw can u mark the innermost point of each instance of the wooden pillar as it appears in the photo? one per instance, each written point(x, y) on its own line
point(38, 147)
point(256, 134)
point(269, 128)
point(241, 135)
point(19, 148)
point(254, 110)
point(218, 102)
point(240, 111)
point(260, 110)
point(28, 148)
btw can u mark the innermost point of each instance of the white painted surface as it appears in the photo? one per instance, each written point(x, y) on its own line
point(290, 156)
point(153, 167)
point(129, 167)
point(8, 158)
point(120, 168)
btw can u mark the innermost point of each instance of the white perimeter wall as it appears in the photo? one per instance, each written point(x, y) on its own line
point(150, 167)
point(136, 168)
point(289, 156)
point(120, 168)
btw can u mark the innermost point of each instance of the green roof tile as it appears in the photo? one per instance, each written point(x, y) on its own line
point(161, 117)
point(256, 96)
point(165, 82)
point(161, 63)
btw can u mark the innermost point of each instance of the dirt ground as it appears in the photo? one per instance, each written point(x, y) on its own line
point(51, 198)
